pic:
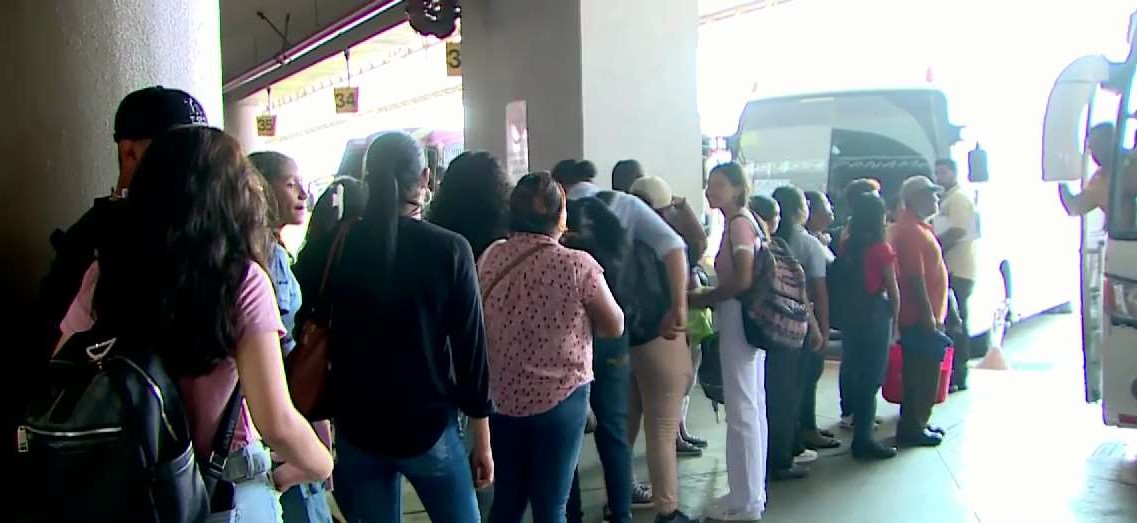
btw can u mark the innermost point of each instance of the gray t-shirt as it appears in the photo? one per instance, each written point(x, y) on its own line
point(810, 253)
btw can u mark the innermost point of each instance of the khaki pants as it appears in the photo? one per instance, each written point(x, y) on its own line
point(661, 373)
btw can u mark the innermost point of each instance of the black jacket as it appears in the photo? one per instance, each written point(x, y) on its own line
point(75, 250)
point(403, 365)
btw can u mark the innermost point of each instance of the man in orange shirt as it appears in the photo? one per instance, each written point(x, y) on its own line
point(923, 282)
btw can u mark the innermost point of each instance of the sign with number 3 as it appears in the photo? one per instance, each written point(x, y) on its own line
point(453, 59)
point(266, 125)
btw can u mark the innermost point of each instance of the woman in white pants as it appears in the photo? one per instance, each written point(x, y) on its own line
point(743, 365)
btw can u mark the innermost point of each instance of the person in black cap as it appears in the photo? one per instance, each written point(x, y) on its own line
point(141, 116)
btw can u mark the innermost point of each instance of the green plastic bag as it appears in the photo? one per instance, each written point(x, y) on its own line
point(700, 325)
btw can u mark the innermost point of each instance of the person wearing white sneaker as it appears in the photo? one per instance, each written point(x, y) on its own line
point(806, 456)
point(743, 365)
point(719, 510)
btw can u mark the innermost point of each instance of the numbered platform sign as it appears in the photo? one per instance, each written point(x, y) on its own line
point(266, 125)
point(453, 59)
point(347, 99)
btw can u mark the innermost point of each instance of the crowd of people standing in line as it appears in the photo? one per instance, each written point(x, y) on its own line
point(473, 336)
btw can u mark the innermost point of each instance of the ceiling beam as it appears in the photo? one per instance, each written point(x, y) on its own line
point(358, 26)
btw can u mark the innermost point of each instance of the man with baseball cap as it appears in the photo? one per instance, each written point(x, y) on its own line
point(923, 282)
point(675, 210)
point(141, 116)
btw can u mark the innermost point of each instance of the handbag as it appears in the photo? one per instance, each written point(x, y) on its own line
point(307, 367)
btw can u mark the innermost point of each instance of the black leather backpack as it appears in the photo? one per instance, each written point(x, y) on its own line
point(106, 438)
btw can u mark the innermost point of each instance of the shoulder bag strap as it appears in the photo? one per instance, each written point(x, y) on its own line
point(512, 265)
point(223, 439)
point(334, 254)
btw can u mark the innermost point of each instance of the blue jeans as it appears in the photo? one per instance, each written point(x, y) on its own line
point(609, 398)
point(535, 458)
point(864, 360)
point(306, 503)
point(369, 487)
point(485, 496)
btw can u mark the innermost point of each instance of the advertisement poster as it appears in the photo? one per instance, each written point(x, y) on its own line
point(516, 139)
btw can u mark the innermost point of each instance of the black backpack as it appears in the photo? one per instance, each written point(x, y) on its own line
point(848, 299)
point(710, 372)
point(644, 291)
point(106, 438)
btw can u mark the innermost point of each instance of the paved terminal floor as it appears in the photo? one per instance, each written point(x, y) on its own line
point(1022, 446)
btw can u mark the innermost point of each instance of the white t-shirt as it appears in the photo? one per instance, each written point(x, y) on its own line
point(957, 211)
point(810, 253)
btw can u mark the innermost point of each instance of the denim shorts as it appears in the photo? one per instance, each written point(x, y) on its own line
point(250, 469)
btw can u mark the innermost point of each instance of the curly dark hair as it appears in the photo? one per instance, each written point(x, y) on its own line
point(195, 220)
point(473, 200)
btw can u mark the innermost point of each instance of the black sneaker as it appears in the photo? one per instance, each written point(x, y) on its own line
point(698, 442)
point(686, 449)
point(872, 451)
point(924, 439)
point(675, 517)
point(610, 517)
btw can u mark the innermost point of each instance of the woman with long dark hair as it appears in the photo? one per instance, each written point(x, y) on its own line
point(344, 199)
point(814, 258)
point(743, 364)
point(543, 303)
point(865, 342)
point(473, 200)
point(186, 271)
point(287, 206)
point(408, 350)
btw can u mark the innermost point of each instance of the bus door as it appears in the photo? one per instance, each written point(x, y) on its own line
point(1119, 340)
point(1078, 102)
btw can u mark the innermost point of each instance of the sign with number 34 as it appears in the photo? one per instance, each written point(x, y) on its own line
point(347, 99)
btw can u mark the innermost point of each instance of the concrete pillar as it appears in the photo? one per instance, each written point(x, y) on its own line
point(602, 80)
point(66, 66)
point(241, 123)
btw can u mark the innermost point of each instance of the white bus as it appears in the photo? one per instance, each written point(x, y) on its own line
point(823, 141)
point(1089, 91)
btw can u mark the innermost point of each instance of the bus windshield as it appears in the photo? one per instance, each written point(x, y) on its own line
point(822, 142)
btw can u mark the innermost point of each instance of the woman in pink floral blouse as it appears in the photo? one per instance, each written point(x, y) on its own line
point(543, 302)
